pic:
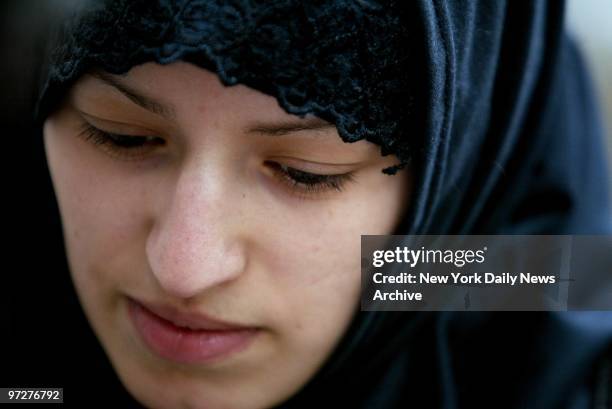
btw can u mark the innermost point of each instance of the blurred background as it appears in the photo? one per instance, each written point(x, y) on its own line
point(590, 21)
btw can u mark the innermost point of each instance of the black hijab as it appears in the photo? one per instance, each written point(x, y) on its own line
point(487, 102)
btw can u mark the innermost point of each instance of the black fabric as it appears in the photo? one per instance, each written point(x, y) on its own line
point(489, 103)
point(603, 386)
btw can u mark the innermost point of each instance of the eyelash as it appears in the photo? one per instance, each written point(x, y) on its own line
point(309, 183)
point(124, 147)
point(134, 147)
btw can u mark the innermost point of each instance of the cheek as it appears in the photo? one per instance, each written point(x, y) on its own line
point(320, 243)
point(103, 215)
point(313, 260)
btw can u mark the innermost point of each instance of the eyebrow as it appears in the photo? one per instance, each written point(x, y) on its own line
point(136, 97)
point(287, 127)
point(167, 111)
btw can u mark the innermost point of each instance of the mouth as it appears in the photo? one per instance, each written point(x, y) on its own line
point(186, 337)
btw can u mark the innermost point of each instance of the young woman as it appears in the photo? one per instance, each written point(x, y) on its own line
point(215, 165)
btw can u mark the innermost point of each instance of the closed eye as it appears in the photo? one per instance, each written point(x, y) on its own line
point(122, 146)
point(307, 182)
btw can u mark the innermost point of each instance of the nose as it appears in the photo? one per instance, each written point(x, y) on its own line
point(196, 239)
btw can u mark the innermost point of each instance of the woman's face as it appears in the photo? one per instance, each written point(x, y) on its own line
point(216, 264)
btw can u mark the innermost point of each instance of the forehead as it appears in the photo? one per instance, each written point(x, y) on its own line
point(184, 90)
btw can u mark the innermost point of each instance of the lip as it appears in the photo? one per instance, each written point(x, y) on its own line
point(187, 337)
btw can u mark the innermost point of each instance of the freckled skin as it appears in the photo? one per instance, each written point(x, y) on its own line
point(202, 224)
